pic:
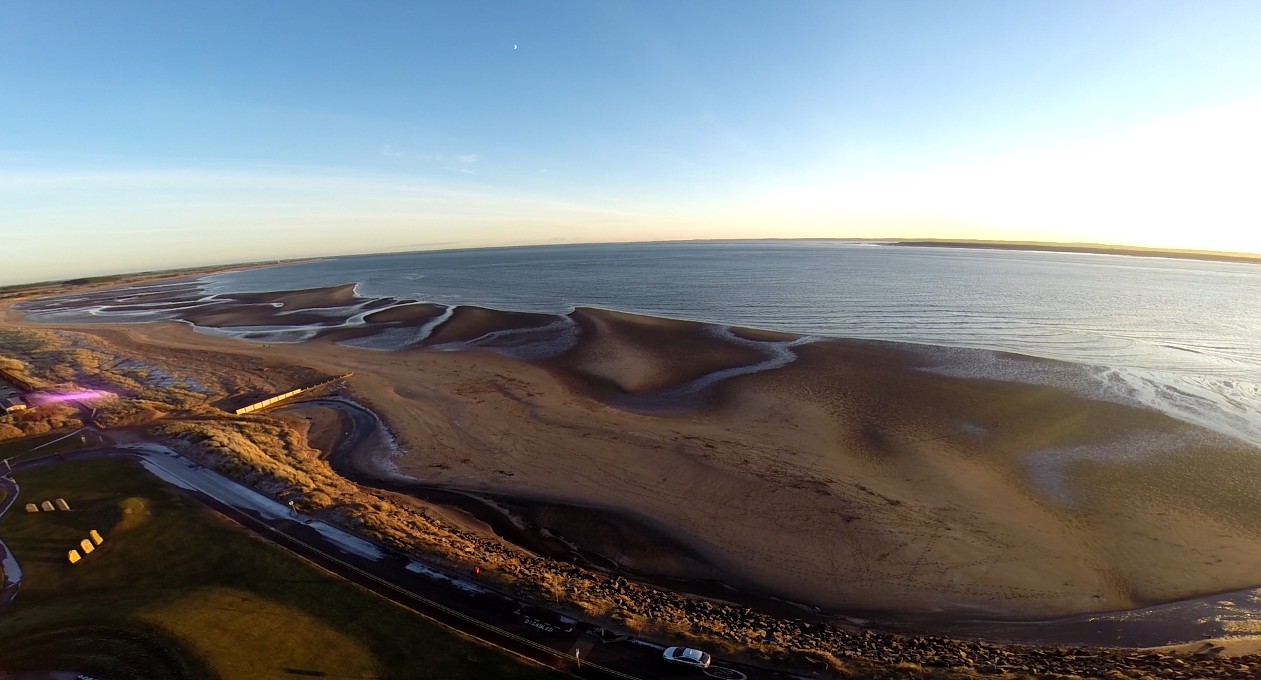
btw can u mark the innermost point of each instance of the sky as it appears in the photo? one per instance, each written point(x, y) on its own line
point(152, 135)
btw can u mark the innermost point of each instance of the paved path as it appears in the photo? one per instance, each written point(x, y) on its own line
point(8, 563)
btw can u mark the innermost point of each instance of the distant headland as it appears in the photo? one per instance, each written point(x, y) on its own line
point(1097, 248)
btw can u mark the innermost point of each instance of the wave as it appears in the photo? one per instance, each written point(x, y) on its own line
point(1227, 406)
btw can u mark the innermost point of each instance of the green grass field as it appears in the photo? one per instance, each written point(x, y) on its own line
point(178, 592)
point(17, 449)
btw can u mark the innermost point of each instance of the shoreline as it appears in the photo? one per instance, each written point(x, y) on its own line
point(104, 281)
point(339, 314)
point(924, 478)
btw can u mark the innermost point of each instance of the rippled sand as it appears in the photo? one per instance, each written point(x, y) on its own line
point(856, 476)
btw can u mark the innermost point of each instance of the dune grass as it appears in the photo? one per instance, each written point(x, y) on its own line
point(137, 389)
point(178, 592)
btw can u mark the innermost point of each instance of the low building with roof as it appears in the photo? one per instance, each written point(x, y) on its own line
point(11, 398)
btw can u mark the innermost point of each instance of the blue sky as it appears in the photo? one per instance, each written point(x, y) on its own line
point(151, 135)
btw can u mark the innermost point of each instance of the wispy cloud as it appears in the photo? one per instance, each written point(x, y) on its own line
point(389, 151)
point(465, 158)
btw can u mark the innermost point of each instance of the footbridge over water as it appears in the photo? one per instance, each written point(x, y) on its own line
point(258, 405)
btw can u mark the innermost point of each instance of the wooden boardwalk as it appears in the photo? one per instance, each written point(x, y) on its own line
point(287, 395)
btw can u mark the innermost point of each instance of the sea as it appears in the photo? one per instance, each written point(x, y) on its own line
point(1179, 335)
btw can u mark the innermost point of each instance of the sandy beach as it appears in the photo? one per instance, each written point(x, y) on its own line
point(856, 477)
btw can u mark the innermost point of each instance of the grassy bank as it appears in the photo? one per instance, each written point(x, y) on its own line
point(133, 388)
point(19, 447)
point(177, 592)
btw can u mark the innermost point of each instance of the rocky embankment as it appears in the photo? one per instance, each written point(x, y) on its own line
point(650, 611)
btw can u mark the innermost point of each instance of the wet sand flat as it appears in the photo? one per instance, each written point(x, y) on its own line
point(855, 477)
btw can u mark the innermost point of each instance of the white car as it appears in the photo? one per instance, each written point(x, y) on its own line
point(687, 656)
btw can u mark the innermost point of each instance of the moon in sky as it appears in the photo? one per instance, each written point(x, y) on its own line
point(514, 47)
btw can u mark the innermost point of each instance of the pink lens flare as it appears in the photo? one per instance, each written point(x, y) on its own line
point(44, 398)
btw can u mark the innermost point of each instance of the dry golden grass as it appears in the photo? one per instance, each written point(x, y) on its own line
point(35, 422)
point(245, 621)
point(271, 457)
point(144, 390)
point(135, 513)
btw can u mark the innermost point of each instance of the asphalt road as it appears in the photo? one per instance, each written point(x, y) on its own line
point(12, 572)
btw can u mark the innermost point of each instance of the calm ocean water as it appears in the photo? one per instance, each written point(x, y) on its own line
point(1180, 335)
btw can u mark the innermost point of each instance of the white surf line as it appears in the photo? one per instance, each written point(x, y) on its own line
point(779, 354)
point(527, 344)
point(387, 339)
point(393, 339)
point(360, 317)
point(347, 313)
point(1208, 402)
point(1190, 399)
point(436, 322)
point(272, 334)
point(139, 308)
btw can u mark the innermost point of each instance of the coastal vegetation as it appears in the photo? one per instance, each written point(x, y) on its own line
point(26, 290)
point(124, 386)
point(34, 423)
point(176, 592)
